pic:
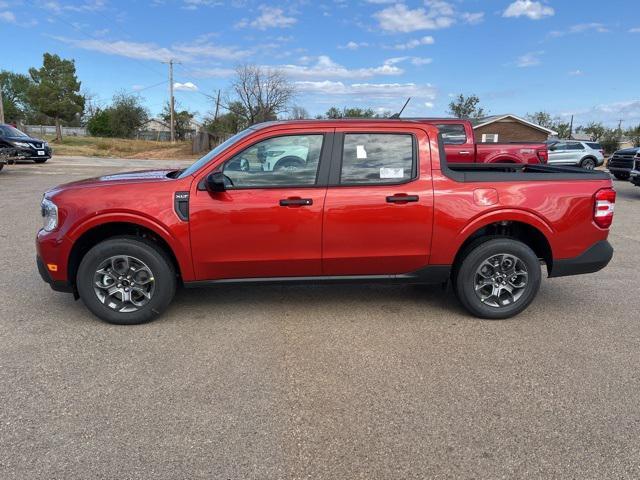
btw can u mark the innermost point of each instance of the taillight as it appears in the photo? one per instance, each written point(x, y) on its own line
point(601, 151)
point(605, 201)
point(543, 155)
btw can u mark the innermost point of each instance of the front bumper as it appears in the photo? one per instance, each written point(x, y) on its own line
point(635, 177)
point(57, 285)
point(33, 153)
point(591, 260)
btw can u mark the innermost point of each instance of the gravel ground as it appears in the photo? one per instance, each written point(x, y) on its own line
point(356, 382)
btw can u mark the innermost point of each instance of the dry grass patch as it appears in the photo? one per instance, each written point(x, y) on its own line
point(121, 148)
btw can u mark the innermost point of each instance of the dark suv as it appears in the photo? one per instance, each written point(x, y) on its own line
point(24, 146)
point(621, 162)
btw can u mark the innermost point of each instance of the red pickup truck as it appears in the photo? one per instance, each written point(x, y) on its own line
point(324, 201)
point(461, 147)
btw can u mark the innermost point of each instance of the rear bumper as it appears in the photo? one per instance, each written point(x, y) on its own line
point(57, 285)
point(591, 260)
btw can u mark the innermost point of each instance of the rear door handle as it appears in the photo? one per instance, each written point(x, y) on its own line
point(295, 202)
point(402, 198)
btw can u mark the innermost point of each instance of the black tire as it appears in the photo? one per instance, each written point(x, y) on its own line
point(40, 160)
point(162, 271)
point(588, 163)
point(464, 280)
point(1, 166)
point(289, 162)
point(622, 176)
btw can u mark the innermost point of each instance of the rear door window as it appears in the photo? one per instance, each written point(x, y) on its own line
point(594, 145)
point(378, 158)
point(452, 134)
point(575, 146)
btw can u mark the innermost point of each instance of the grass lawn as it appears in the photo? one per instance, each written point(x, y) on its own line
point(122, 148)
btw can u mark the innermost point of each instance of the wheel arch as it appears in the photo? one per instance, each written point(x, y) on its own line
point(95, 234)
point(533, 236)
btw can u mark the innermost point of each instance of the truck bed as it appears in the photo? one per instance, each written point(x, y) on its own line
point(502, 172)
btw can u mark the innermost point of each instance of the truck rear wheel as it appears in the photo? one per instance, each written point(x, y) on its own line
point(126, 280)
point(498, 278)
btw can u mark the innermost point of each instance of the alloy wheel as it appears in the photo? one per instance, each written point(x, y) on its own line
point(124, 283)
point(501, 280)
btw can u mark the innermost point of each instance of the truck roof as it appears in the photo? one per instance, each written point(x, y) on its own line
point(325, 121)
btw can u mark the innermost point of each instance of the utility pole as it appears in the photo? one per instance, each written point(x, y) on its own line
point(1, 107)
point(171, 62)
point(571, 128)
point(215, 117)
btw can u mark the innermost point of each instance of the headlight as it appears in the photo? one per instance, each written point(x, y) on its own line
point(45, 144)
point(49, 215)
point(21, 144)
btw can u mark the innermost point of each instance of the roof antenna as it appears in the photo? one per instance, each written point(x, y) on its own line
point(397, 115)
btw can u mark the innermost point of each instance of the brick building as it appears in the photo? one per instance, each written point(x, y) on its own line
point(509, 128)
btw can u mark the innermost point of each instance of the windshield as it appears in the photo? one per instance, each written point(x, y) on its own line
point(9, 131)
point(216, 151)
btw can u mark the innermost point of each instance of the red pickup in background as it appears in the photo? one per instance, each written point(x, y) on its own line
point(461, 147)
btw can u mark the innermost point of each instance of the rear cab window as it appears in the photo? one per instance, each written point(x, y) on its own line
point(378, 159)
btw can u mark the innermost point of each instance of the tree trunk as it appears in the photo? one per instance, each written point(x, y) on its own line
point(58, 130)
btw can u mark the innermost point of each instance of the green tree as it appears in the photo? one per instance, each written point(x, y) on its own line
point(543, 119)
point(15, 95)
point(466, 107)
point(610, 140)
point(595, 129)
point(182, 119)
point(634, 135)
point(563, 129)
point(350, 112)
point(55, 90)
point(231, 122)
point(99, 124)
point(126, 114)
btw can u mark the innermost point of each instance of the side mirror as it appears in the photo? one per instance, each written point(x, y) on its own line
point(552, 148)
point(215, 182)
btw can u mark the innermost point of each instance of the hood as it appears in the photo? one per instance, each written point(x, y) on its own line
point(22, 139)
point(145, 176)
point(627, 151)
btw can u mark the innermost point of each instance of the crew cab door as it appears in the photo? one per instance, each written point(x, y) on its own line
point(268, 222)
point(379, 204)
point(459, 144)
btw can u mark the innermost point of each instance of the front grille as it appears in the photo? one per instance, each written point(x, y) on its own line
point(36, 144)
point(621, 161)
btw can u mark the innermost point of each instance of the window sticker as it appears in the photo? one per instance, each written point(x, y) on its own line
point(361, 153)
point(386, 172)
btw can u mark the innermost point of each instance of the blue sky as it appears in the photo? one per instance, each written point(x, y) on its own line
point(565, 57)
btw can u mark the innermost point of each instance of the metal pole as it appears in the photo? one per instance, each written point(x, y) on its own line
point(215, 117)
point(172, 104)
point(1, 106)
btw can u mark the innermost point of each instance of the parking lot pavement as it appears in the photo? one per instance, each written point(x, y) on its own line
point(315, 382)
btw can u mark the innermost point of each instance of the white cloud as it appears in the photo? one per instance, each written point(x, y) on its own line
point(365, 90)
point(634, 30)
point(399, 18)
point(142, 51)
point(87, 6)
point(353, 45)
point(270, 17)
point(473, 18)
point(414, 43)
point(581, 28)
point(531, 59)
point(151, 51)
point(437, 14)
point(327, 68)
point(528, 8)
point(213, 72)
point(609, 113)
point(576, 73)
point(8, 17)
point(185, 87)
point(194, 4)
point(429, 104)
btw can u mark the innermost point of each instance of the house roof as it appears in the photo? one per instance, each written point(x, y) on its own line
point(481, 122)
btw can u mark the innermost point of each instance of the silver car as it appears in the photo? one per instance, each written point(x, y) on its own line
point(588, 155)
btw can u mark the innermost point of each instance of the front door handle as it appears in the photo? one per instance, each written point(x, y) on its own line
point(402, 198)
point(296, 202)
point(464, 152)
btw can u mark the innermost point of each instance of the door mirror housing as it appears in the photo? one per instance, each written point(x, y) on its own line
point(215, 182)
point(552, 148)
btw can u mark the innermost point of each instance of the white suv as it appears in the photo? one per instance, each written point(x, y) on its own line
point(587, 155)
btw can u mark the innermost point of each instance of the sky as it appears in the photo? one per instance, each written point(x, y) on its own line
point(566, 57)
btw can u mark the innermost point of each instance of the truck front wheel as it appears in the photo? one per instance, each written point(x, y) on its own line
point(126, 280)
point(498, 278)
